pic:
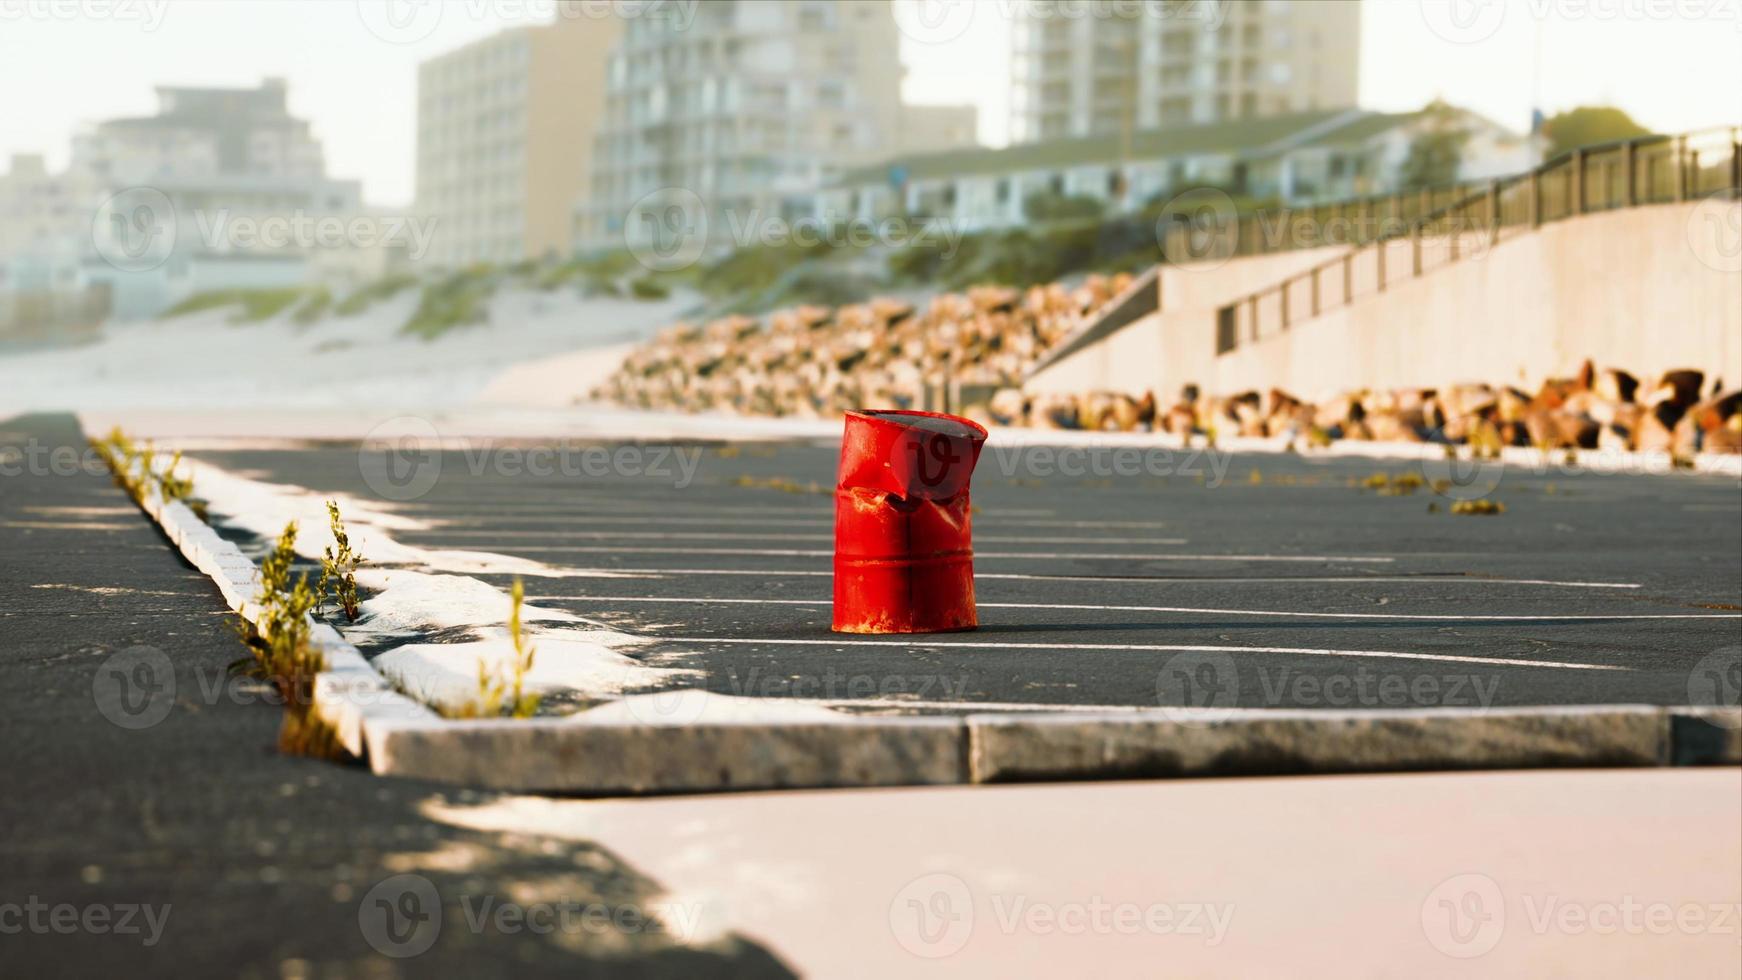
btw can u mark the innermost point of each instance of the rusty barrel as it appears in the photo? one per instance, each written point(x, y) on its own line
point(904, 555)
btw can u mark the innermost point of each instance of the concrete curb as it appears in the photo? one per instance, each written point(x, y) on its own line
point(349, 695)
point(1005, 749)
point(400, 737)
point(609, 759)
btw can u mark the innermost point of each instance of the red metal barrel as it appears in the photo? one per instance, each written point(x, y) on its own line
point(904, 556)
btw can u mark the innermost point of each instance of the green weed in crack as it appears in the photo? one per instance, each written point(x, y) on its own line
point(339, 567)
point(500, 696)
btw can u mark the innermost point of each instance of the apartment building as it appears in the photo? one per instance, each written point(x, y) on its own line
point(750, 109)
point(1102, 69)
point(144, 210)
point(935, 128)
point(505, 131)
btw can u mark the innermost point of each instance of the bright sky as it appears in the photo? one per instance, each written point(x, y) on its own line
point(1672, 64)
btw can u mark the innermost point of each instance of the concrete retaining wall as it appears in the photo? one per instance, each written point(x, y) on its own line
point(1646, 289)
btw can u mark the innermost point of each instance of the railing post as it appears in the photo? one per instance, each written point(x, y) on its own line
point(1576, 184)
point(1252, 314)
point(1379, 248)
point(1628, 163)
point(1535, 198)
point(1316, 290)
point(1348, 278)
point(1736, 159)
point(1493, 211)
point(1681, 168)
point(1283, 294)
point(1415, 250)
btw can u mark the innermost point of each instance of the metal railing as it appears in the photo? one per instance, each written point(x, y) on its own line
point(1629, 173)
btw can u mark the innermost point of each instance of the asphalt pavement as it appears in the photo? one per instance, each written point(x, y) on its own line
point(1113, 577)
point(152, 829)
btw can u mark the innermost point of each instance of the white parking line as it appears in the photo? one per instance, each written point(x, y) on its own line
point(1145, 647)
point(1036, 706)
point(761, 536)
point(1451, 617)
point(651, 518)
point(1112, 556)
point(817, 504)
point(1156, 580)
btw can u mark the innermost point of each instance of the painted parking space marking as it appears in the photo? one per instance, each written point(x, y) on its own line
point(663, 519)
point(995, 555)
point(759, 536)
point(1189, 610)
point(1429, 579)
point(846, 644)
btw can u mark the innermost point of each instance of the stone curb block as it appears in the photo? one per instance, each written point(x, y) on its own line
point(1705, 736)
point(1008, 748)
point(566, 756)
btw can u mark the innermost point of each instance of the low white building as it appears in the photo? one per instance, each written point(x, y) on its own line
point(1293, 160)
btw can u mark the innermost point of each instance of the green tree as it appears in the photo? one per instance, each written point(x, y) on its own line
point(1586, 125)
point(1437, 150)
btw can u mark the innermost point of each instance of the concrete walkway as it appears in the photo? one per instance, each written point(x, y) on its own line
point(1567, 873)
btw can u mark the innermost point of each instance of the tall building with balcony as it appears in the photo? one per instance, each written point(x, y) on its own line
point(505, 131)
point(1149, 67)
point(748, 111)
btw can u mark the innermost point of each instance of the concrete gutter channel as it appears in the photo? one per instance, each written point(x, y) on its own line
point(397, 736)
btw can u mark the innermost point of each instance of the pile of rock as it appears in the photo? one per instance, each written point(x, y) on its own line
point(814, 361)
point(1604, 409)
